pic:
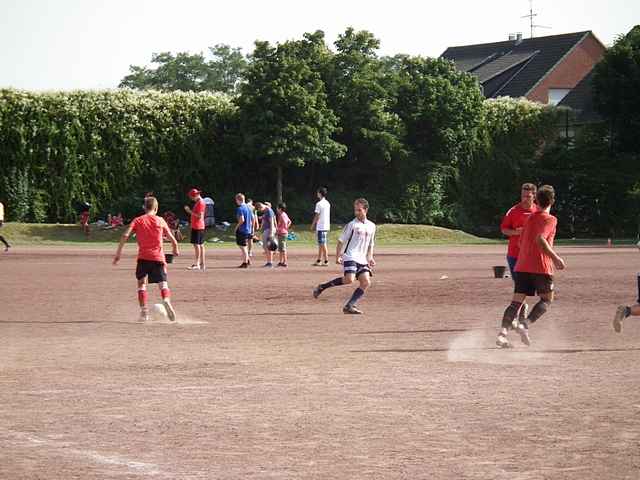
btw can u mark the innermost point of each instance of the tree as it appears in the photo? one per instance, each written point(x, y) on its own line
point(190, 72)
point(442, 112)
point(284, 114)
point(354, 77)
point(616, 82)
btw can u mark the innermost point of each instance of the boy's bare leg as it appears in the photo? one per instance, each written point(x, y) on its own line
point(142, 299)
point(365, 283)
point(622, 312)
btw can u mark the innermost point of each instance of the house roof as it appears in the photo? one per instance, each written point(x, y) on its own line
point(580, 99)
point(528, 61)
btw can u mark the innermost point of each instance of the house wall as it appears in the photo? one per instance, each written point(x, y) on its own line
point(572, 69)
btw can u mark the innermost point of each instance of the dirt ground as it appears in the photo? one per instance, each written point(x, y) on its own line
point(258, 380)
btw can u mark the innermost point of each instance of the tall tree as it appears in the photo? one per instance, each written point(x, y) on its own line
point(284, 114)
point(616, 83)
point(442, 111)
point(356, 92)
point(190, 72)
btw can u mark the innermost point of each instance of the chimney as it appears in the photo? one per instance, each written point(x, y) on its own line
point(518, 38)
point(512, 37)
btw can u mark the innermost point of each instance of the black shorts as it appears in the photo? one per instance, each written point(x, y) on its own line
point(197, 237)
point(356, 268)
point(532, 284)
point(156, 271)
point(242, 239)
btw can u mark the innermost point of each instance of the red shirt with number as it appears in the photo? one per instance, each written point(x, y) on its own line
point(515, 218)
point(531, 258)
point(198, 208)
point(149, 230)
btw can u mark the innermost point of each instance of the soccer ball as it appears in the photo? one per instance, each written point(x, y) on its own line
point(159, 312)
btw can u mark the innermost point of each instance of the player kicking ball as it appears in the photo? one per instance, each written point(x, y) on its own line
point(355, 253)
point(624, 311)
point(151, 268)
point(534, 268)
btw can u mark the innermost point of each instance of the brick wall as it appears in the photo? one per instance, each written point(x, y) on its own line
point(571, 70)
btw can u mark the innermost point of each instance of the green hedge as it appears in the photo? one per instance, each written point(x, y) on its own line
point(105, 147)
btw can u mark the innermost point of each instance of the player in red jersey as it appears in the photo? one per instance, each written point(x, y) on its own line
point(151, 267)
point(534, 268)
point(511, 227)
point(197, 228)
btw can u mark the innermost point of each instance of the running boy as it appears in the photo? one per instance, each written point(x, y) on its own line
point(151, 268)
point(624, 311)
point(197, 228)
point(511, 227)
point(355, 252)
point(534, 268)
point(282, 230)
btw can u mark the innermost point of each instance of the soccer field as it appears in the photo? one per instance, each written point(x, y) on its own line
point(259, 380)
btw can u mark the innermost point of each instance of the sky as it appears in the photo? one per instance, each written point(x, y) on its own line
point(90, 44)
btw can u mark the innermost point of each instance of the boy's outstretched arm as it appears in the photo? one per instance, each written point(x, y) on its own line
point(123, 239)
point(172, 239)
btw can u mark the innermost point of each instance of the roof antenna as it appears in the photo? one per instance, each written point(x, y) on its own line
point(530, 17)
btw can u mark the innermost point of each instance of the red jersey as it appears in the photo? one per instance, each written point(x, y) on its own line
point(532, 259)
point(149, 230)
point(198, 208)
point(516, 218)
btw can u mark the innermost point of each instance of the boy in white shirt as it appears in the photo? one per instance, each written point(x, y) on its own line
point(321, 225)
point(355, 252)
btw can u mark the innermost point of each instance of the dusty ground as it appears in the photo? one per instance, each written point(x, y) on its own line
point(259, 380)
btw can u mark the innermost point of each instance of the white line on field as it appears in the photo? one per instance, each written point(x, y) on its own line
point(132, 389)
point(65, 448)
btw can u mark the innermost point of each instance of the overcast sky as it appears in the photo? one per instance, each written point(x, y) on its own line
point(67, 44)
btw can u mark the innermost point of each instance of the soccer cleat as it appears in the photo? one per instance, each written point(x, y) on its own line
point(144, 315)
point(522, 316)
point(352, 310)
point(317, 264)
point(618, 318)
point(502, 341)
point(268, 265)
point(317, 291)
point(171, 313)
point(194, 267)
point(326, 263)
point(243, 265)
point(524, 334)
point(6, 249)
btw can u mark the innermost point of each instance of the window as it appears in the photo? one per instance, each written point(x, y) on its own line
point(557, 94)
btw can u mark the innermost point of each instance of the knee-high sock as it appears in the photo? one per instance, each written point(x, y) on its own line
point(538, 310)
point(142, 297)
point(165, 292)
point(357, 295)
point(510, 314)
point(7, 245)
point(333, 283)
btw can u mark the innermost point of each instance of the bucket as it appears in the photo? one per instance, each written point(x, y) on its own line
point(168, 257)
point(498, 271)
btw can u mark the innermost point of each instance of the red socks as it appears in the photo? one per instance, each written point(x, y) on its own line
point(142, 298)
